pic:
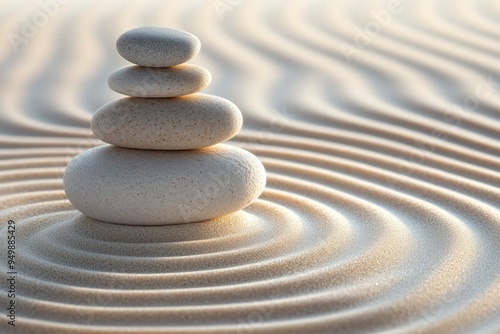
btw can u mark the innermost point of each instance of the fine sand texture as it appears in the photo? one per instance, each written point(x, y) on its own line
point(381, 140)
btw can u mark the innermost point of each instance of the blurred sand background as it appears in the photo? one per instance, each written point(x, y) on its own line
point(378, 123)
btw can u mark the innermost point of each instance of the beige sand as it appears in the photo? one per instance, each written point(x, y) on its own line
point(382, 206)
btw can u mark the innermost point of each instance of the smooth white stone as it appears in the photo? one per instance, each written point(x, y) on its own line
point(156, 82)
point(146, 187)
point(157, 46)
point(180, 123)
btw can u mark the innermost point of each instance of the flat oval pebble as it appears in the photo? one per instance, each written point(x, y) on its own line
point(180, 123)
point(145, 187)
point(157, 46)
point(155, 82)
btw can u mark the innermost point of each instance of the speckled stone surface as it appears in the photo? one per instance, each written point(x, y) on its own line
point(155, 82)
point(180, 123)
point(157, 46)
point(146, 187)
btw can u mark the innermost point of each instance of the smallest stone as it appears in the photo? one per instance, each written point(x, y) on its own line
point(157, 46)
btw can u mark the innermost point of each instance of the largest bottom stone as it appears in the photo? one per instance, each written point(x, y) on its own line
point(146, 187)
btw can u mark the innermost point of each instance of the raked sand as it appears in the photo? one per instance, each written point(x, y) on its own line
point(382, 204)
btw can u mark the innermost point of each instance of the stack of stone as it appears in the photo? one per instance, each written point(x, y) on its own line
point(165, 164)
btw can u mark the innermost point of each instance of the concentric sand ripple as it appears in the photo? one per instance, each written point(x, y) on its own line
point(382, 209)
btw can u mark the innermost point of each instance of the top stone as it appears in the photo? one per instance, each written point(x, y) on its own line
point(157, 46)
